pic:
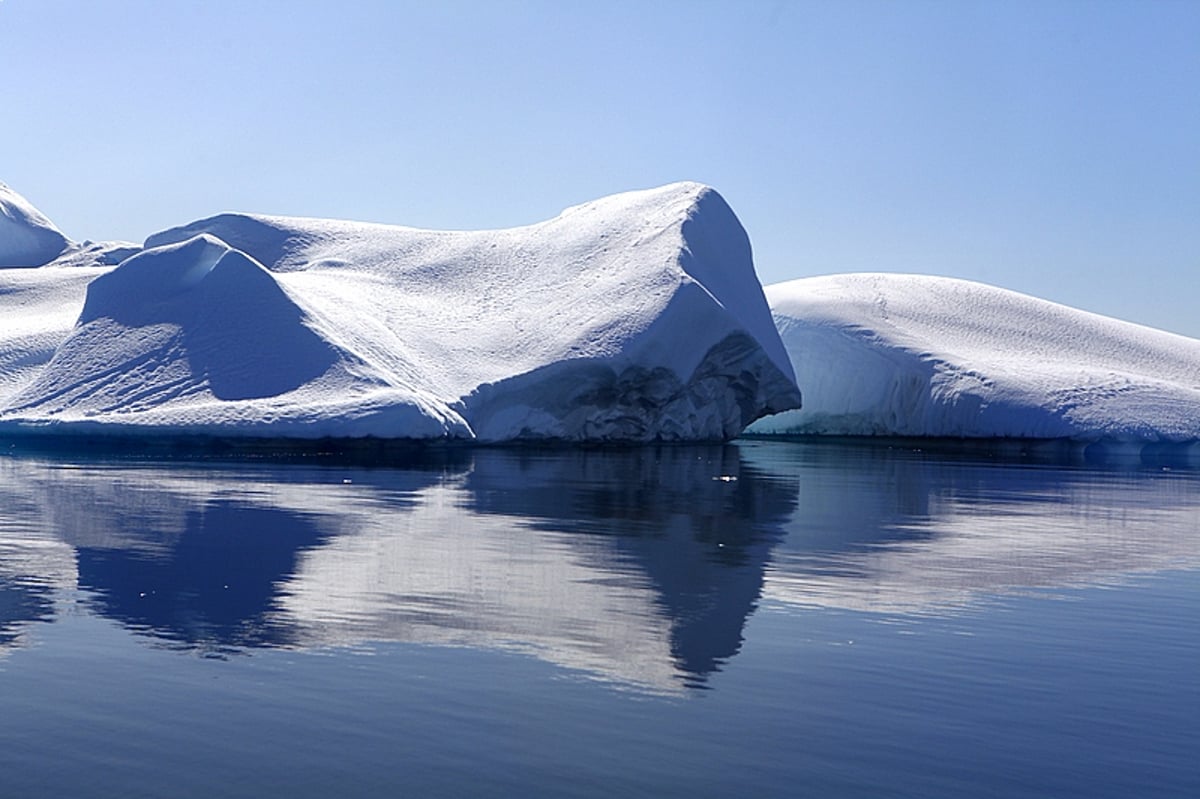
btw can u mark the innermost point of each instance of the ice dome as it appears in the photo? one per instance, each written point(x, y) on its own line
point(914, 355)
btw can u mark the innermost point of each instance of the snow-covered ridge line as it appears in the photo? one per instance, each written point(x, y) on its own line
point(913, 355)
point(636, 317)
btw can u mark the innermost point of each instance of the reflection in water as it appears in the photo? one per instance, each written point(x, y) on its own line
point(635, 566)
point(215, 584)
point(22, 602)
point(693, 525)
point(900, 531)
point(638, 566)
point(36, 568)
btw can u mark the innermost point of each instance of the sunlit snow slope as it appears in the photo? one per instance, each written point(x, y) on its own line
point(636, 317)
point(910, 355)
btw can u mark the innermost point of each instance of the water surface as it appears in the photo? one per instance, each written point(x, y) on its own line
point(764, 618)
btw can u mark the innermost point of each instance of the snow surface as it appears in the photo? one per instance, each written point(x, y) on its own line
point(636, 317)
point(27, 238)
point(911, 355)
point(38, 308)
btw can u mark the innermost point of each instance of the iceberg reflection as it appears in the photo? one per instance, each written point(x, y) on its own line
point(37, 570)
point(901, 531)
point(639, 567)
point(636, 565)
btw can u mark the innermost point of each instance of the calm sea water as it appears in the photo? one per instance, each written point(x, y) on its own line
point(758, 619)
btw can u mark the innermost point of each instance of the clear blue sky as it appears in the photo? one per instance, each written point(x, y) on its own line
point(1048, 147)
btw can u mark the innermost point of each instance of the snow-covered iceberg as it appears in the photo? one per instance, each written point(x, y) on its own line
point(27, 237)
point(910, 355)
point(637, 317)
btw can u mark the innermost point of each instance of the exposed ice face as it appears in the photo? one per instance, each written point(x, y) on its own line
point(911, 355)
point(590, 400)
point(632, 318)
point(27, 238)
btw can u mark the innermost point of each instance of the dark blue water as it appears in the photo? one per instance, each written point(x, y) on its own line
point(759, 619)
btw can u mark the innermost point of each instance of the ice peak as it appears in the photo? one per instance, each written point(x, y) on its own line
point(27, 237)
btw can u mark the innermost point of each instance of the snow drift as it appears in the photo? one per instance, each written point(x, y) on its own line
point(636, 317)
point(909, 355)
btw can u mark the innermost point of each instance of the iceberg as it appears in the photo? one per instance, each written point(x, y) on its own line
point(633, 318)
point(27, 237)
point(910, 355)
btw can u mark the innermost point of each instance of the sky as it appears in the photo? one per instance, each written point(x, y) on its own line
point(1048, 147)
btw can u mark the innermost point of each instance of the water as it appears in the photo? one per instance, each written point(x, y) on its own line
point(758, 619)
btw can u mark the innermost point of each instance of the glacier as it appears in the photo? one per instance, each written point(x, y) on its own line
point(632, 318)
point(923, 356)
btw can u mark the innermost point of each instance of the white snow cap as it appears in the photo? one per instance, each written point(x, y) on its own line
point(637, 317)
point(912, 355)
point(27, 238)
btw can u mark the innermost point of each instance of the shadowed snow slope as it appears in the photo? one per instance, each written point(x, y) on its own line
point(909, 355)
point(26, 237)
point(637, 317)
